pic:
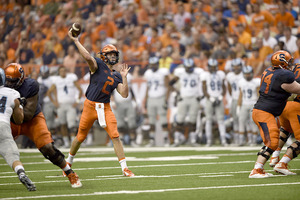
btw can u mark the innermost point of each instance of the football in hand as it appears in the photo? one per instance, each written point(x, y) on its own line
point(75, 29)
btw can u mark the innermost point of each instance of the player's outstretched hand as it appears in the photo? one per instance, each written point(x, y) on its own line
point(71, 36)
point(124, 70)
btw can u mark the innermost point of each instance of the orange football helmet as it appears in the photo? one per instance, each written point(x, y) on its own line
point(282, 59)
point(14, 75)
point(109, 48)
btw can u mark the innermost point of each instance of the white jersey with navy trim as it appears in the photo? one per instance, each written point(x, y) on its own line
point(249, 90)
point(66, 89)
point(233, 79)
point(214, 82)
point(7, 103)
point(156, 82)
point(189, 82)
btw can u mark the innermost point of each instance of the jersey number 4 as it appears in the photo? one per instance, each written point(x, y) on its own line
point(2, 104)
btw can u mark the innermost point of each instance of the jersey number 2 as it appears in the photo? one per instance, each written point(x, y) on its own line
point(110, 81)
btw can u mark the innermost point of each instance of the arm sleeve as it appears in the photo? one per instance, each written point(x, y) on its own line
point(33, 89)
point(287, 77)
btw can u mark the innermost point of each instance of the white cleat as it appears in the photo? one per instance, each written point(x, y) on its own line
point(259, 173)
point(282, 168)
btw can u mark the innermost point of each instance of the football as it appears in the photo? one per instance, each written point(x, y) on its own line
point(76, 29)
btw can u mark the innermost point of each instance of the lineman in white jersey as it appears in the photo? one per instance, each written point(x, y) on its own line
point(64, 95)
point(214, 89)
point(156, 97)
point(126, 113)
point(233, 79)
point(248, 96)
point(188, 100)
point(48, 108)
point(10, 106)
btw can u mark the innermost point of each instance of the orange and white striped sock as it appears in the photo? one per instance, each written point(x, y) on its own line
point(258, 165)
point(285, 159)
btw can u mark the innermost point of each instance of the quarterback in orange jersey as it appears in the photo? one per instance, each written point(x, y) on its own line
point(290, 122)
point(277, 84)
point(34, 124)
point(103, 80)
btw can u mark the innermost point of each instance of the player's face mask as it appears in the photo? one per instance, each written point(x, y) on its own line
point(112, 58)
point(154, 67)
point(248, 76)
point(237, 69)
point(189, 70)
point(12, 83)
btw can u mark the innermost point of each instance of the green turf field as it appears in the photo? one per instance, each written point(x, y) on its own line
point(161, 173)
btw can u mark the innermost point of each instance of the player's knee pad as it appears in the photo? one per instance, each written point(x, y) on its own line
point(295, 150)
point(51, 153)
point(287, 135)
point(263, 151)
point(192, 127)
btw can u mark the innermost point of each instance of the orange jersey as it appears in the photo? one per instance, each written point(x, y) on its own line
point(287, 19)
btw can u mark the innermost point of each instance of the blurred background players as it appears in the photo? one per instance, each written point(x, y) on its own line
point(48, 108)
point(188, 101)
point(248, 95)
point(277, 84)
point(233, 79)
point(214, 89)
point(10, 107)
point(125, 109)
point(34, 125)
point(65, 94)
point(157, 98)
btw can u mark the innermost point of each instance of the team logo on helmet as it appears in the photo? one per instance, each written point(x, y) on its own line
point(282, 59)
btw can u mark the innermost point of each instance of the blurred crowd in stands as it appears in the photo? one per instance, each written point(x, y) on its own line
point(35, 31)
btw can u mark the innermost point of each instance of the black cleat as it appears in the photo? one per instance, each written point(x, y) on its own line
point(27, 182)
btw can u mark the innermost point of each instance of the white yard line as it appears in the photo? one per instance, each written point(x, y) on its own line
point(212, 176)
point(140, 166)
point(150, 191)
point(110, 177)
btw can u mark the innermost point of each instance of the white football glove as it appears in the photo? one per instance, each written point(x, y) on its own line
point(212, 99)
point(220, 98)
